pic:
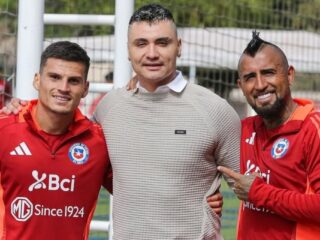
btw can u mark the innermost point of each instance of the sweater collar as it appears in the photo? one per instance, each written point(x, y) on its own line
point(177, 85)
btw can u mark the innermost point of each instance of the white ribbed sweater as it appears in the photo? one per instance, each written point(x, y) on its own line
point(161, 178)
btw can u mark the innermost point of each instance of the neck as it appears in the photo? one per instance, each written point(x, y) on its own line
point(282, 118)
point(152, 85)
point(51, 122)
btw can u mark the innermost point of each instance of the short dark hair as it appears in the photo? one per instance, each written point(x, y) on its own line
point(256, 44)
point(151, 13)
point(67, 51)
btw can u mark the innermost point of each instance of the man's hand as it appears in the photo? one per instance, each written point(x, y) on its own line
point(242, 183)
point(215, 202)
point(14, 106)
point(132, 84)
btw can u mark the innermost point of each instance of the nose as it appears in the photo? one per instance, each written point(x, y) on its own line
point(152, 51)
point(64, 86)
point(260, 83)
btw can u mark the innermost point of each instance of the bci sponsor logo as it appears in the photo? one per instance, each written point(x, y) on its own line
point(52, 182)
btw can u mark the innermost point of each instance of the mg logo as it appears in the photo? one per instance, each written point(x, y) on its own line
point(52, 182)
point(21, 209)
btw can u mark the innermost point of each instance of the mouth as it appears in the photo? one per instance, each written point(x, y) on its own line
point(60, 98)
point(264, 98)
point(153, 66)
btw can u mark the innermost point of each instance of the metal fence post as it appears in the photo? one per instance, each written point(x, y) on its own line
point(29, 46)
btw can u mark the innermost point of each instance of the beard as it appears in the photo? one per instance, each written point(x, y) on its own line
point(273, 111)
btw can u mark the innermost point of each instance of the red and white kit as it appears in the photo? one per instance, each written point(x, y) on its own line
point(288, 160)
point(50, 183)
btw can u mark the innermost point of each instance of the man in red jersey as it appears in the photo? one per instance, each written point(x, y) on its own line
point(53, 160)
point(280, 151)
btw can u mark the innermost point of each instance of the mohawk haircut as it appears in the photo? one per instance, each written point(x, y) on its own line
point(255, 44)
point(151, 13)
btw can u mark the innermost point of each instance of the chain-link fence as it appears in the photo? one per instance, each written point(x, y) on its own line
point(8, 20)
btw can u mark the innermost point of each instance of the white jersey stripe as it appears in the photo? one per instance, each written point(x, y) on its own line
point(25, 148)
point(19, 151)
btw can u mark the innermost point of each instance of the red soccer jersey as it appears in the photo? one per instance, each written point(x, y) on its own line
point(50, 183)
point(288, 159)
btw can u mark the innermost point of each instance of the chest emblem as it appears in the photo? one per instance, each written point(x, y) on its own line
point(78, 153)
point(280, 148)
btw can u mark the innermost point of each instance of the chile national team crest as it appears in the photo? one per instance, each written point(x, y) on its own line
point(79, 153)
point(280, 148)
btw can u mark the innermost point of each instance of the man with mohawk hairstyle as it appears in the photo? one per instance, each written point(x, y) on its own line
point(280, 151)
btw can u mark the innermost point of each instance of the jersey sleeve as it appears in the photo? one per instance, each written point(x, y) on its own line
point(291, 204)
point(312, 151)
point(288, 204)
point(107, 180)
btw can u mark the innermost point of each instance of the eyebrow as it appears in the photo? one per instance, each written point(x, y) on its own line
point(251, 74)
point(267, 70)
point(60, 75)
point(167, 39)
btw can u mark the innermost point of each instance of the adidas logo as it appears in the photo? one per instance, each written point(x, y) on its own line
point(21, 150)
point(251, 139)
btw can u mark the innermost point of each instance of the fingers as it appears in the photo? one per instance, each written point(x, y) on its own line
point(4, 110)
point(229, 172)
point(217, 211)
point(132, 83)
point(216, 202)
point(14, 106)
point(23, 102)
point(255, 174)
point(9, 110)
point(217, 197)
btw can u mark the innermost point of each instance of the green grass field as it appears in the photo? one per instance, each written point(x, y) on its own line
point(229, 214)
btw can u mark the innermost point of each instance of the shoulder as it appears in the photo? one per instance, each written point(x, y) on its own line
point(7, 120)
point(312, 121)
point(249, 120)
point(216, 111)
point(205, 97)
point(96, 129)
point(112, 97)
point(110, 100)
point(248, 126)
point(198, 90)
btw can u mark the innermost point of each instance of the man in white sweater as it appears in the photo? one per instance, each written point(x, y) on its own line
point(165, 139)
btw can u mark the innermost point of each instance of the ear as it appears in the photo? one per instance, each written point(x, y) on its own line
point(291, 74)
point(239, 83)
point(36, 81)
point(128, 52)
point(86, 89)
point(179, 47)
